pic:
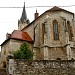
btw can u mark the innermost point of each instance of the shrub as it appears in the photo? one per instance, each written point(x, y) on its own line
point(24, 52)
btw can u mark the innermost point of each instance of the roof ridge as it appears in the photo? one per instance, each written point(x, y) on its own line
point(56, 8)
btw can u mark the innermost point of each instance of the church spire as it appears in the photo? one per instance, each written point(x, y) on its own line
point(24, 16)
point(23, 22)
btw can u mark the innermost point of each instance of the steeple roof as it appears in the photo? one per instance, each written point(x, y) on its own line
point(24, 16)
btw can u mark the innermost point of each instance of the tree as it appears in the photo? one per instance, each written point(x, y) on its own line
point(24, 52)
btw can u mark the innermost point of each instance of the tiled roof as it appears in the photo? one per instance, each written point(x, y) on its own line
point(19, 35)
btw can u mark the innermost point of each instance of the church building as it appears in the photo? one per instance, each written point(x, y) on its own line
point(51, 35)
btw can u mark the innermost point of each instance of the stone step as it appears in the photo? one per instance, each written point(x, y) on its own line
point(3, 71)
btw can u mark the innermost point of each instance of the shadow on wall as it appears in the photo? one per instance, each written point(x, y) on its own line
point(4, 64)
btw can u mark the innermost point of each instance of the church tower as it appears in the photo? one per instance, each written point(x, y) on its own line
point(23, 22)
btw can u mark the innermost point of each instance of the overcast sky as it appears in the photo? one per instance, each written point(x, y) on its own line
point(9, 16)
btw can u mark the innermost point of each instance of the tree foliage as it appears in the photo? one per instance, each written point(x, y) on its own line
point(24, 52)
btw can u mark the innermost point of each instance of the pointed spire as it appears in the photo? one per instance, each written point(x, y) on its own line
point(24, 16)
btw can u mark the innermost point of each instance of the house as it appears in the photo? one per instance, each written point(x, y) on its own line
point(51, 35)
point(13, 42)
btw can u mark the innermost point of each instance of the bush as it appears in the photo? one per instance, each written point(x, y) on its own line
point(24, 52)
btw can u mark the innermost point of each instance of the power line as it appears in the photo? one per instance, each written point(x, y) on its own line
point(11, 7)
point(39, 6)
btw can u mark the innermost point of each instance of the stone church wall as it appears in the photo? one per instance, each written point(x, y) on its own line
point(57, 52)
point(30, 31)
point(4, 50)
point(42, 67)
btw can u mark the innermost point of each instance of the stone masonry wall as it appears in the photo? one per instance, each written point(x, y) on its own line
point(44, 67)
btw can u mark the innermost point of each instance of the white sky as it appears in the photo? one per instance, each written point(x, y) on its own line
point(9, 16)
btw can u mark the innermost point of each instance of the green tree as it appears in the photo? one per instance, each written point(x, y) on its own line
point(24, 52)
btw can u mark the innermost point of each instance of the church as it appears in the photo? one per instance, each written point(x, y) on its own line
point(50, 36)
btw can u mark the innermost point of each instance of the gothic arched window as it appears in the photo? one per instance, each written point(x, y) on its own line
point(43, 31)
point(55, 30)
point(69, 29)
point(35, 31)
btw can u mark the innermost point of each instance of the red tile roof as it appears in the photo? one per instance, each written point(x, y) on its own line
point(19, 35)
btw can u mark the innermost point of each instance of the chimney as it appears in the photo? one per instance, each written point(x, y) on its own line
point(36, 15)
point(7, 35)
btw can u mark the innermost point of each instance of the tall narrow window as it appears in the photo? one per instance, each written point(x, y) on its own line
point(69, 31)
point(64, 23)
point(35, 30)
point(43, 31)
point(55, 30)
